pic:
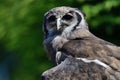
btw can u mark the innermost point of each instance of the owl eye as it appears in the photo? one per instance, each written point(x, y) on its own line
point(52, 18)
point(67, 17)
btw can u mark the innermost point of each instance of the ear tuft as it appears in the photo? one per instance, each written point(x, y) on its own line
point(81, 12)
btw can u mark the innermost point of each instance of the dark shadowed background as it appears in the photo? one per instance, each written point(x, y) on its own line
point(22, 56)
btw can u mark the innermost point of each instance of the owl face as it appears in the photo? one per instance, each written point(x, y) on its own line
point(63, 20)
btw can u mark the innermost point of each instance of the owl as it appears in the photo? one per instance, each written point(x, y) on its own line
point(66, 34)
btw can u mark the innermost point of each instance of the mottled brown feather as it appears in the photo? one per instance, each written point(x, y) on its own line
point(93, 48)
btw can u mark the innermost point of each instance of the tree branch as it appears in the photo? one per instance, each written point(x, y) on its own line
point(74, 69)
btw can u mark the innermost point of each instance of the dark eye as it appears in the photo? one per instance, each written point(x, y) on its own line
point(67, 17)
point(52, 18)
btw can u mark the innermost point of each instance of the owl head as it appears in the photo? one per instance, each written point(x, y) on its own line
point(63, 21)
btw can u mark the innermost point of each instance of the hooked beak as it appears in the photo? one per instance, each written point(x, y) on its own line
point(58, 23)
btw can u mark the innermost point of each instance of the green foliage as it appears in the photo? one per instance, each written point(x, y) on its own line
point(21, 30)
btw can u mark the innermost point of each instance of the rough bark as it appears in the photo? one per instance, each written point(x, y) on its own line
point(74, 69)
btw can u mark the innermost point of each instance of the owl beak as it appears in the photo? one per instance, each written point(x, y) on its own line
point(58, 23)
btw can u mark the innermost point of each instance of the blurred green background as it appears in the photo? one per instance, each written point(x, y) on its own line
point(22, 56)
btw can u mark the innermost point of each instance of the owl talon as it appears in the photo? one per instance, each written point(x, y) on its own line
point(60, 57)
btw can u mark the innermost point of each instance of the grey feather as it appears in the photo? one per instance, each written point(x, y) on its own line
point(74, 39)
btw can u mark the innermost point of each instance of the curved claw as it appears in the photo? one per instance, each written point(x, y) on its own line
point(60, 57)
